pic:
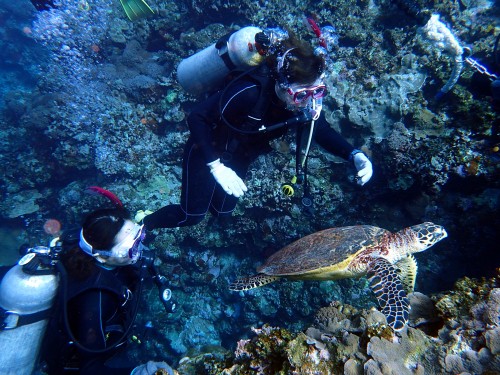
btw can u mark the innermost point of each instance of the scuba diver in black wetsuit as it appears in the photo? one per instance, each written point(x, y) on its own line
point(88, 284)
point(234, 126)
point(101, 296)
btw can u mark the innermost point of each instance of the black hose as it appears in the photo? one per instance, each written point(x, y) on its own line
point(64, 286)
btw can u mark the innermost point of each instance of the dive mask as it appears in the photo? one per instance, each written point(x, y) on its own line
point(300, 95)
point(131, 245)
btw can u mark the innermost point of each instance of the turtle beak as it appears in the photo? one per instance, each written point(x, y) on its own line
point(436, 233)
point(439, 233)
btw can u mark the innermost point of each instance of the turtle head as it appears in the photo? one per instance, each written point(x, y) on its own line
point(428, 234)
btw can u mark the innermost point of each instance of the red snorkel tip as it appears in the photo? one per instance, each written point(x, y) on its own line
point(316, 30)
point(105, 193)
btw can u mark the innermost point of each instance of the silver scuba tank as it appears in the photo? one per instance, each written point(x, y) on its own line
point(206, 69)
point(26, 299)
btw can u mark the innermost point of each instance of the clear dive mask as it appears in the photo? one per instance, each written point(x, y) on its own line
point(300, 95)
point(130, 247)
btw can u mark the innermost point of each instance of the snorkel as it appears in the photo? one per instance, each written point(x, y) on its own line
point(312, 109)
point(327, 40)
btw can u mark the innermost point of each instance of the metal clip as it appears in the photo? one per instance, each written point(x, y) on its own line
point(480, 68)
point(10, 320)
point(223, 49)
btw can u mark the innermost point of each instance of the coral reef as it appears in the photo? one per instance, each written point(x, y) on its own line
point(89, 98)
point(455, 332)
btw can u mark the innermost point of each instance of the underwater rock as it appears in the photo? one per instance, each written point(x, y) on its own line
point(422, 310)
point(198, 332)
point(20, 203)
point(378, 111)
point(492, 338)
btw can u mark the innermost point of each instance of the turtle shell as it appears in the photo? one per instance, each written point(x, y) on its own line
point(322, 249)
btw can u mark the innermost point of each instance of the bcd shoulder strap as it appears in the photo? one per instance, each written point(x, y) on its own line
point(261, 75)
point(100, 280)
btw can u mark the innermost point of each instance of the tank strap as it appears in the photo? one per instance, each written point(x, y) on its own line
point(11, 319)
point(222, 47)
point(262, 75)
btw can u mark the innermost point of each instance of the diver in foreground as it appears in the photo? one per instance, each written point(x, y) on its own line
point(83, 292)
point(234, 126)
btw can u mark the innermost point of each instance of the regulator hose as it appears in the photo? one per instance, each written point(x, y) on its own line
point(64, 289)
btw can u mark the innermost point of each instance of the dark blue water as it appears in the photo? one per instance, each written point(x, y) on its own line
point(90, 98)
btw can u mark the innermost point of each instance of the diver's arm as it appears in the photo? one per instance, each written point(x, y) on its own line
point(334, 143)
point(330, 140)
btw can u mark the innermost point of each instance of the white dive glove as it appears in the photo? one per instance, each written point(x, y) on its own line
point(227, 178)
point(363, 166)
point(151, 368)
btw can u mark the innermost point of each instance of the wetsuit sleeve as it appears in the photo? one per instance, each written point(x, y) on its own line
point(237, 102)
point(330, 140)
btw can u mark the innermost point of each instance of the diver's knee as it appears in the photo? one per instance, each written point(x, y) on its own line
point(193, 220)
point(218, 214)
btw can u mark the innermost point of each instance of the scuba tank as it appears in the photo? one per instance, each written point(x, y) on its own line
point(27, 293)
point(206, 70)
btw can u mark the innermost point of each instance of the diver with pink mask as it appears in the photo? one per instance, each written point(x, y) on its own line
point(231, 128)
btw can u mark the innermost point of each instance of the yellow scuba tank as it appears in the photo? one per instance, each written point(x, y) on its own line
point(206, 69)
point(27, 293)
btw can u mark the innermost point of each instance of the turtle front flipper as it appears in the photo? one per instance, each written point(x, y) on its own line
point(251, 282)
point(408, 274)
point(385, 283)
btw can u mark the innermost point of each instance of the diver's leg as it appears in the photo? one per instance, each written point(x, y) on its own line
point(198, 186)
point(223, 204)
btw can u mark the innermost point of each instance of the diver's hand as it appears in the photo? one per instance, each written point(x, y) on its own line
point(364, 168)
point(227, 178)
point(150, 368)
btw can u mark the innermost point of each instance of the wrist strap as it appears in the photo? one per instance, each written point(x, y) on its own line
point(354, 152)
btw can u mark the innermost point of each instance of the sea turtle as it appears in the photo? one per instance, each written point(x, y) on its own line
point(355, 251)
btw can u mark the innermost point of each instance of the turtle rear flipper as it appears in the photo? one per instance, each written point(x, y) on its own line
point(251, 282)
point(385, 283)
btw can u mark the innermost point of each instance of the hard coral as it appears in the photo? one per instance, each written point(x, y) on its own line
point(266, 352)
point(398, 358)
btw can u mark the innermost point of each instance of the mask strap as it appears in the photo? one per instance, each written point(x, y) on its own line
point(87, 248)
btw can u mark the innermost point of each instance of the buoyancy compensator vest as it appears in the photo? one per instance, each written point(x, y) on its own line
point(254, 124)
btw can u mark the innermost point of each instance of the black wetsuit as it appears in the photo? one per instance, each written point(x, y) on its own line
point(211, 139)
point(99, 310)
